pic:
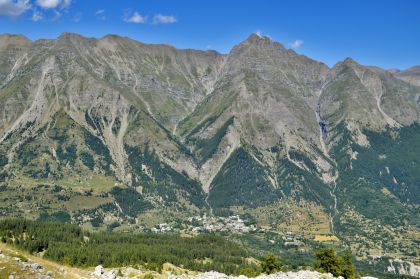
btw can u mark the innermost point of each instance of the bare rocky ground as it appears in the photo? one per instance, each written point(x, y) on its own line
point(18, 265)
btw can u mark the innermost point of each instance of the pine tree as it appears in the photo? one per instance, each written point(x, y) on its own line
point(328, 261)
point(348, 272)
point(270, 264)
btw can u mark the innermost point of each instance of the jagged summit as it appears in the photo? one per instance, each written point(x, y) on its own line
point(255, 37)
point(347, 62)
point(259, 41)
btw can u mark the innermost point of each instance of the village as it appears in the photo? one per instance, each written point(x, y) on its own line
point(206, 223)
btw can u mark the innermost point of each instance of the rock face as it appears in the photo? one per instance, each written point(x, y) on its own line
point(192, 130)
point(130, 94)
point(404, 268)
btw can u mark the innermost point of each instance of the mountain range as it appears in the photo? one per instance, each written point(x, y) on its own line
point(102, 130)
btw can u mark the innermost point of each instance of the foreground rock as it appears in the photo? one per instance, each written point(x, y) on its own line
point(103, 274)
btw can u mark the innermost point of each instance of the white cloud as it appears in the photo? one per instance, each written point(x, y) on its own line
point(134, 17)
point(100, 14)
point(37, 16)
point(258, 33)
point(296, 44)
point(52, 4)
point(48, 4)
point(14, 8)
point(164, 19)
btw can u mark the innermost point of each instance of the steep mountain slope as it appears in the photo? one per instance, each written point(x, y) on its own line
point(259, 101)
point(111, 129)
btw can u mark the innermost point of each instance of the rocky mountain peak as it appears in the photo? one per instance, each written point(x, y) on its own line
point(347, 63)
point(13, 40)
point(414, 68)
point(410, 75)
point(71, 36)
point(257, 43)
point(68, 38)
point(255, 38)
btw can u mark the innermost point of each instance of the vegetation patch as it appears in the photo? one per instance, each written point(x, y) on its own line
point(130, 201)
point(242, 181)
point(159, 178)
point(205, 148)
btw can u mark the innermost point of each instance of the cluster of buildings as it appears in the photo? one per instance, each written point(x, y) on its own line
point(162, 228)
point(291, 240)
point(215, 223)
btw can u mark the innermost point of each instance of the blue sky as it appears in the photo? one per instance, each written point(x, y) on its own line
point(384, 33)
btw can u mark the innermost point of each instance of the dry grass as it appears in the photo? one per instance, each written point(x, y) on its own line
point(326, 238)
point(9, 266)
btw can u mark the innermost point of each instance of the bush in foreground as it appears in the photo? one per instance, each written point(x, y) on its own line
point(271, 264)
point(328, 261)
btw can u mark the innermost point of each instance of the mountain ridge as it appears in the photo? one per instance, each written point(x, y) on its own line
point(151, 129)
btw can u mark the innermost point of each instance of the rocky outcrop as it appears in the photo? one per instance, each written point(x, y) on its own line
point(404, 268)
point(103, 274)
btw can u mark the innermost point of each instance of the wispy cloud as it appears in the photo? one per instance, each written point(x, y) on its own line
point(134, 17)
point(77, 17)
point(56, 16)
point(37, 16)
point(13, 8)
point(100, 14)
point(159, 18)
point(65, 4)
point(296, 44)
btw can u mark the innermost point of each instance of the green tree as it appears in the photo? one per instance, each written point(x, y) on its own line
point(270, 264)
point(326, 260)
point(250, 272)
point(348, 270)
